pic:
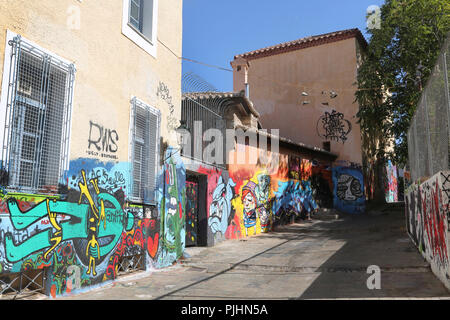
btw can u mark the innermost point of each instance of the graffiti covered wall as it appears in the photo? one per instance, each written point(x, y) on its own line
point(220, 214)
point(391, 188)
point(272, 193)
point(426, 206)
point(171, 199)
point(249, 199)
point(81, 235)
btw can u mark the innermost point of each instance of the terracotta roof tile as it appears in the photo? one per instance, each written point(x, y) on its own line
point(305, 43)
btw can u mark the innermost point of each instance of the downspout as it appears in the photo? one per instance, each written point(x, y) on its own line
point(247, 86)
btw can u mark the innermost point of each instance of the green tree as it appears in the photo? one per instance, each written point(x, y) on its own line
point(395, 67)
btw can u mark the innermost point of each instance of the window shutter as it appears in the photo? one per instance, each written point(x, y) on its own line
point(153, 154)
point(145, 151)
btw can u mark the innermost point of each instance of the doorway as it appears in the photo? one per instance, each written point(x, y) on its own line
point(195, 210)
point(191, 212)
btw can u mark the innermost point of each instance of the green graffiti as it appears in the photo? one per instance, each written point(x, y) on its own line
point(173, 220)
point(69, 221)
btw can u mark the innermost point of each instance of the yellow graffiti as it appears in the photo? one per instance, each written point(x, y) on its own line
point(102, 217)
point(97, 218)
point(57, 236)
point(239, 206)
point(92, 244)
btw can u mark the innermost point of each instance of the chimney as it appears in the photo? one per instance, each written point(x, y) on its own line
point(240, 75)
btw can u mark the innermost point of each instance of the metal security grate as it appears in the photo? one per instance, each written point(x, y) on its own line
point(145, 150)
point(200, 115)
point(36, 137)
point(22, 284)
point(128, 264)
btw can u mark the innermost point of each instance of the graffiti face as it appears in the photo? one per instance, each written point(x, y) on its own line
point(249, 202)
point(220, 208)
point(349, 190)
point(264, 216)
point(263, 188)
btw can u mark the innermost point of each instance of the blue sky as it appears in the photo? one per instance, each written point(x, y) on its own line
point(214, 31)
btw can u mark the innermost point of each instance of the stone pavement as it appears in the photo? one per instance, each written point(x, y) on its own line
point(322, 259)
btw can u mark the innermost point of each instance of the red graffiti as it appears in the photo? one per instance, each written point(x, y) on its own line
point(138, 237)
point(434, 221)
point(152, 245)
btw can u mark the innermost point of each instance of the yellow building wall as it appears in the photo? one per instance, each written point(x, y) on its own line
point(110, 67)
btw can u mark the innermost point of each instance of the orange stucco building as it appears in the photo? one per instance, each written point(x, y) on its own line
point(306, 89)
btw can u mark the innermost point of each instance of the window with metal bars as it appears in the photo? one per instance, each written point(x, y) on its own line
point(145, 150)
point(37, 123)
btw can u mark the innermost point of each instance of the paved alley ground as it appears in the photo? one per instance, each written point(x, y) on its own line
point(323, 259)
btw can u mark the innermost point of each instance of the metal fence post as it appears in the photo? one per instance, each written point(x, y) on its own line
point(447, 99)
point(427, 122)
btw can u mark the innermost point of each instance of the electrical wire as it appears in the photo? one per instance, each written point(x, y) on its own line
point(281, 83)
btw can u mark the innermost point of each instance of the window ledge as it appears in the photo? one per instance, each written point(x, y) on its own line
point(140, 33)
point(139, 39)
point(148, 44)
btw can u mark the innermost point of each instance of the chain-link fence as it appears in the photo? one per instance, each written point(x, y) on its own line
point(428, 135)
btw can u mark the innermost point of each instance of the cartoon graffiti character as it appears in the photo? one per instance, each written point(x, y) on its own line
point(263, 188)
point(348, 188)
point(262, 192)
point(249, 201)
point(220, 208)
point(171, 221)
point(172, 208)
point(79, 219)
point(57, 236)
point(93, 253)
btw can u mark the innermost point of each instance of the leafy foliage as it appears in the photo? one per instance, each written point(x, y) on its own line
point(397, 63)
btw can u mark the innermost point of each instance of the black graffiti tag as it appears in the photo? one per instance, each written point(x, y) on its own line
point(102, 139)
point(164, 93)
point(333, 126)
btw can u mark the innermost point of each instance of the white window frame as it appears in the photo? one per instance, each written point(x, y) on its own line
point(10, 35)
point(133, 101)
point(149, 45)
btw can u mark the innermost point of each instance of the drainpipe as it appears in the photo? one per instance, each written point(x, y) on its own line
point(247, 87)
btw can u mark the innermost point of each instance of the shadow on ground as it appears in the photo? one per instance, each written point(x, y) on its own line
point(378, 238)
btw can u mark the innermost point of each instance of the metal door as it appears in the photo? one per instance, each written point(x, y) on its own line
point(191, 212)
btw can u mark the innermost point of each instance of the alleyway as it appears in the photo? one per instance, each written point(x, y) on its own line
point(324, 259)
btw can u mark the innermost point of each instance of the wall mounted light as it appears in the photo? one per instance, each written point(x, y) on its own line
point(181, 131)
